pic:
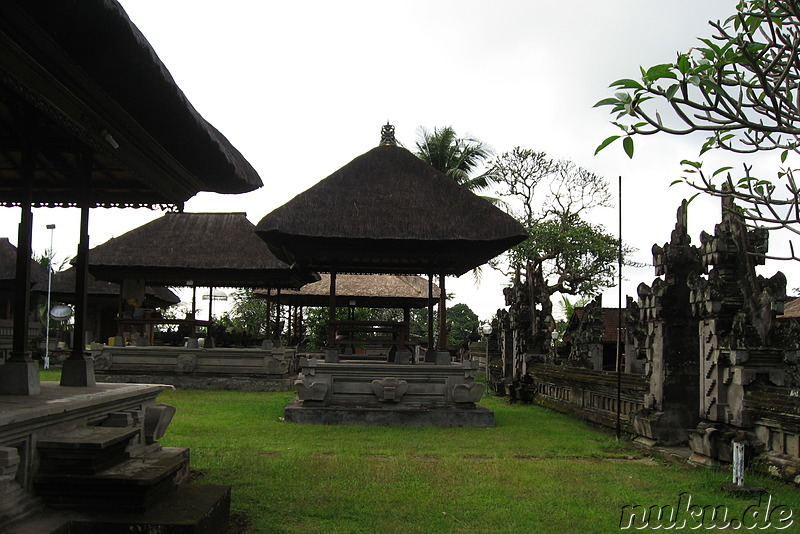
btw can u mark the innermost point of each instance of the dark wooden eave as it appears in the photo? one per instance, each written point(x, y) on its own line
point(78, 81)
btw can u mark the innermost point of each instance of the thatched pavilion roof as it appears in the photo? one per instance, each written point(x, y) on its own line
point(8, 266)
point(368, 290)
point(79, 78)
point(62, 289)
point(387, 211)
point(211, 249)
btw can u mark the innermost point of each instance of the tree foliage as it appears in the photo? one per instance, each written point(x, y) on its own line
point(458, 157)
point(248, 314)
point(551, 198)
point(461, 321)
point(740, 87)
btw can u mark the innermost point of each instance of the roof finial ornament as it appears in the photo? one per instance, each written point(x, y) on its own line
point(387, 135)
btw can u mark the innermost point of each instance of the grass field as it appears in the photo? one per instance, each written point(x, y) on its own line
point(537, 471)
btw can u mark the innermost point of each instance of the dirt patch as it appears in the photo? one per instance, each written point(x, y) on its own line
point(268, 453)
point(239, 523)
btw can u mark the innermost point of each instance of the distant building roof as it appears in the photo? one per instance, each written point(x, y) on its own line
point(210, 249)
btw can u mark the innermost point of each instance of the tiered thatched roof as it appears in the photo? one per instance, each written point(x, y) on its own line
point(79, 78)
point(210, 249)
point(62, 289)
point(8, 266)
point(368, 291)
point(387, 211)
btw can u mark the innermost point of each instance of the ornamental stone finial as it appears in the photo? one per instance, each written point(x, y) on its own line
point(387, 135)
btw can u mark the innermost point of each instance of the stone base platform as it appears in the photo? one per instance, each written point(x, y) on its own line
point(202, 381)
point(380, 393)
point(195, 368)
point(477, 416)
point(186, 510)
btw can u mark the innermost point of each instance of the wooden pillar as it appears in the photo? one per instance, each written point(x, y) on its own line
point(278, 317)
point(332, 312)
point(78, 370)
point(81, 275)
point(268, 326)
point(22, 286)
point(210, 306)
point(442, 314)
point(430, 353)
point(406, 332)
point(20, 374)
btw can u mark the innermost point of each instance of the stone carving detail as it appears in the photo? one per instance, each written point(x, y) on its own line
point(737, 310)
point(389, 389)
point(186, 363)
point(469, 392)
point(273, 366)
point(102, 362)
point(310, 389)
point(665, 333)
point(586, 344)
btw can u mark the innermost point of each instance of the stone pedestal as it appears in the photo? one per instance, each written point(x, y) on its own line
point(19, 377)
point(442, 358)
point(78, 372)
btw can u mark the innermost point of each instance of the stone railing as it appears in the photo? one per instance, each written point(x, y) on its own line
point(588, 394)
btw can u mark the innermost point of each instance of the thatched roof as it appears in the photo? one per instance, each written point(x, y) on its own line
point(368, 290)
point(83, 79)
point(8, 265)
point(387, 211)
point(211, 249)
point(791, 310)
point(62, 289)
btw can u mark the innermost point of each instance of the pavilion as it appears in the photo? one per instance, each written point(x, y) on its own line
point(102, 304)
point(191, 250)
point(8, 275)
point(388, 212)
point(90, 117)
point(400, 291)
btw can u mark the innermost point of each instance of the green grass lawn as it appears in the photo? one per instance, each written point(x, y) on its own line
point(537, 471)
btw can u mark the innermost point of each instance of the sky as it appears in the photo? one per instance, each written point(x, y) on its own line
point(302, 88)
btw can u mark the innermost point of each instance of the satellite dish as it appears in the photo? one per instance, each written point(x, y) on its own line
point(60, 312)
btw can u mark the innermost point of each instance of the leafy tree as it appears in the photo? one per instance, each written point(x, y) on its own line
point(458, 157)
point(461, 321)
point(565, 253)
point(248, 314)
point(740, 88)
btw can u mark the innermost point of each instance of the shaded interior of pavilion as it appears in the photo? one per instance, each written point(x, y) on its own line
point(90, 117)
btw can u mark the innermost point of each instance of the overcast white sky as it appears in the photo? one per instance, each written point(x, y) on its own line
point(302, 88)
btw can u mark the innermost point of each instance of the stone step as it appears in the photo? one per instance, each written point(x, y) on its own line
point(185, 510)
point(85, 450)
point(130, 486)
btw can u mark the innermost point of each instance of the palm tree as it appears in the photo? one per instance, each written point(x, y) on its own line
point(457, 157)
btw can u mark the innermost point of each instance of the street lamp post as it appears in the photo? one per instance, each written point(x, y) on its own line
point(487, 331)
point(50, 227)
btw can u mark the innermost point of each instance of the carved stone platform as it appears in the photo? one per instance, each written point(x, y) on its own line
point(214, 368)
point(380, 393)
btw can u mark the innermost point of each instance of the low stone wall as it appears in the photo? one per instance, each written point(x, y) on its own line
point(588, 394)
point(217, 368)
point(777, 426)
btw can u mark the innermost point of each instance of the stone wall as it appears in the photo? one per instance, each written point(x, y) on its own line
point(589, 394)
